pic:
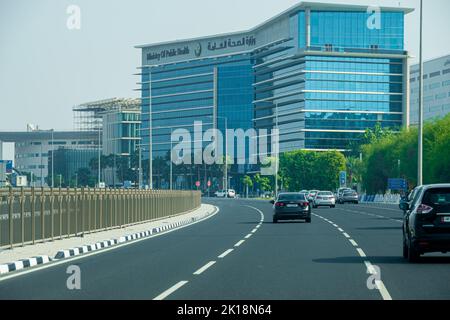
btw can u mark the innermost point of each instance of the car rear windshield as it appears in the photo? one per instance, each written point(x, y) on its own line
point(325, 194)
point(291, 197)
point(349, 193)
point(438, 198)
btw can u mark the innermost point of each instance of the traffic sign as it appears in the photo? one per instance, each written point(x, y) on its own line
point(8, 166)
point(343, 178)
point(397, 184)
point(208, 183)
point(197, 184)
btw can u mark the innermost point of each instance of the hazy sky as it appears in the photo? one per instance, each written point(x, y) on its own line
point(45, 68)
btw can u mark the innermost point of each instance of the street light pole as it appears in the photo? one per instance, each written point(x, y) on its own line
point(99, 158)
point(276, 160)
point(226, 154)
point(171, 131)
point(53, 159)
point(420, 146)
point(140, 166)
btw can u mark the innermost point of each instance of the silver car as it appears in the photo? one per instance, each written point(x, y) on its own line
point(325, 199)
point(349, 197)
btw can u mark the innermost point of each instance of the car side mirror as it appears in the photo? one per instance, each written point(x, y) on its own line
point(272, 201)
point(404, 206)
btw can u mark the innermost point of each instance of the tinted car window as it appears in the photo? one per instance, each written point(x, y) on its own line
point(438, 198)
point(325, 194)
point(291, 197)
point(416, 197)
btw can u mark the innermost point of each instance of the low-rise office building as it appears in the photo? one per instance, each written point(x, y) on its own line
point(32, 149)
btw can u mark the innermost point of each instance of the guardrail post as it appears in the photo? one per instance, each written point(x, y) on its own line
point(42, 214)
point(33, 216)
point(22, 215)
point(52, 213)
point(60, 212)
point(68, 209)
point(83, 208)
point(10, 217)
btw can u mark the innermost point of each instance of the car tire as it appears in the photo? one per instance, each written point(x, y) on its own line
point(413, 253)
point(275, 220)
point(308, 220)
point(405, 250)
point(332, 207)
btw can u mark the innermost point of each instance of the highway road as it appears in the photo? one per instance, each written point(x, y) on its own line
point(350, 252)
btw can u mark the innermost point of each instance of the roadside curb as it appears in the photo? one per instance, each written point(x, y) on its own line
point(67, 253)
point(24, 263)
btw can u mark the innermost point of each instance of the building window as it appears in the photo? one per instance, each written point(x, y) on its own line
point(435, 74)
point(446, 71)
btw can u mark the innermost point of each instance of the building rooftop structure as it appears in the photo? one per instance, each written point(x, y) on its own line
point(88, 116)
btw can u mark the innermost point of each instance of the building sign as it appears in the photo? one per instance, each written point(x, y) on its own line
point(229, 43)
point(168, 53)
point(198, 49)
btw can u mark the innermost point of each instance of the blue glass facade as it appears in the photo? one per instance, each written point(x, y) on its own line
point(321, 75)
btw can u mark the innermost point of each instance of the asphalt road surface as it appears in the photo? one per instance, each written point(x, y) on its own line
point(350, 252)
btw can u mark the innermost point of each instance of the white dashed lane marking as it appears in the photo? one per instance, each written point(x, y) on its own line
point(223, 255)
point(370, 268)
point(353, 242)
point(171, 290)
point(206, 266)
point(239, 243)
point(361, 252)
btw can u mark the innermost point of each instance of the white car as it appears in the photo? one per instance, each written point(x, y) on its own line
point(324, 199)
point(231, 193)
point(220, 194)
point(226, 194)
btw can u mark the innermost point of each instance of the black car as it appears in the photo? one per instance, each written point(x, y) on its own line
point(291, 206)
point(426, 224)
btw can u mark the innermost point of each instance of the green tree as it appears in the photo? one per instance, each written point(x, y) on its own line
point(311, 170)
point(263, 183)
point(248, 183)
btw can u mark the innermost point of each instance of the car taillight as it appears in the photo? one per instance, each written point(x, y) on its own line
point(305, 204)
point(424, 209)
point(279, 204)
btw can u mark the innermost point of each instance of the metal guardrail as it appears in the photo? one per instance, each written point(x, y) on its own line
point(35, 215)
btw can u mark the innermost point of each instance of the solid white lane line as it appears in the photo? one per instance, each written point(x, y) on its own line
point(171, 290)
point(382, 288)
point(226, 253)
point(239, 243)
point(361, 252)
point(248, 236)
point(206, 266)
point(353, 242)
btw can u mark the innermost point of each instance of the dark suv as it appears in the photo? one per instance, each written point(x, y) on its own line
point(291, 206)
point(426, 224)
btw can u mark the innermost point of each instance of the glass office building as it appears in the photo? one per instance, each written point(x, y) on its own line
point(321, 73)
